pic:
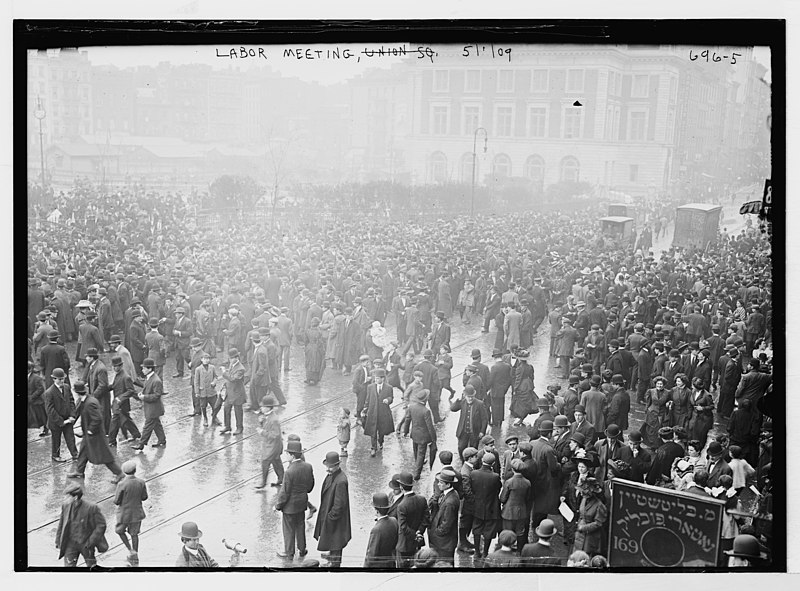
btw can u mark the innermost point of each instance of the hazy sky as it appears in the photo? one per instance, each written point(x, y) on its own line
point(325, 68)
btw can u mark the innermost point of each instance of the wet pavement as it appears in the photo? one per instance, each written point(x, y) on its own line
point(209, 478)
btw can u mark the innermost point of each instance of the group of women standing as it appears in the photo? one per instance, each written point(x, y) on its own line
point(689, 408)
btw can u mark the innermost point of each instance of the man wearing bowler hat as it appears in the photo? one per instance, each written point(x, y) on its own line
point(94, 446)
point(473, 420)
point(60, 408)
point(383, 537)
point(193, 554)
point(500, 380)
point(96, 378)
point(637, 457)
point(234, 395)
point(51, 357)
point(156, 347)
point(121, 405)
point(153, 407)
point(332, 530)
point(443, 530)
point(608, 449)
point(746, 552)
point(182, 333)
point(377, 413)
point(541, 553)
point(292, 501)
point(271, 442)
point(413, 518)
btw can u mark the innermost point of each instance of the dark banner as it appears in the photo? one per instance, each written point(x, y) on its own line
point(751, 207)
point(651, 526)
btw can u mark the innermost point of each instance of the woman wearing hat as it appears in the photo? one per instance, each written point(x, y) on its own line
point(522, 395)
point(655, 417)
point(591, 518)
point(584, 463)
point(702, 417)
point(314, 352)
point(193, 554)
point(682, 470)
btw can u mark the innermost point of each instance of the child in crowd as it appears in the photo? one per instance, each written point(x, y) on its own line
point(343, 431)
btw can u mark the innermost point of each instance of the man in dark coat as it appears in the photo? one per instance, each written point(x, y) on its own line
point(730, 377)
point(383, 537)
point(581, 425)
point(137, 334)
point(121, 406)
point(703, 369)
point(361, 379)
point(485, 484)
point(620, 406)
point(547, 485)
point(53, 356)
point(637, 457)
point(413, 519)
point(96, 377)
point(60, 408)
point(292, 501)
point(753, 384)
point(37, 415)
point(81, 528)
point(94, 446)
point(443, 531)
point(440, 333)
point(128, 497)
point(430, 381)
point(377, 413)
point(472, 420)
point(494, 302)
point(423, 434)
point(182, 333)
point(332, 530)
point(541, 553)
point(500, 380)
point(666, 453)
point(153, 407)
point(607, 449)
point(234, 392)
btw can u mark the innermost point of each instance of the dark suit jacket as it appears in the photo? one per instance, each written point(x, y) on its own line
point(298, 481)
point(52, 356)
point(412, 518)
point(95, 441)
point(486, 487)
point(332, 530)
point(234, 384)
point(514, 497)
point(382, 543)
point(96, 378)
point(138, 346)
point(720, 468)
point(480, 418)
point(443, 531)
point(151, 397)
point(587, 429)
point(130, 493)
point(538, 555)
point(422, 430)
point(499, 380)
point(58, 406)
point(83, 526)
point(753, 386)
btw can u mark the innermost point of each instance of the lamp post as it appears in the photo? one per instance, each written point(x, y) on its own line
point(474, 159)
point(40, 114)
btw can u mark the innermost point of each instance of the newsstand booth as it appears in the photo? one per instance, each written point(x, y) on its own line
point(696, 225)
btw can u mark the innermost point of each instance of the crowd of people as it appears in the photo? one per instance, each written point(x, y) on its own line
point(685, 337)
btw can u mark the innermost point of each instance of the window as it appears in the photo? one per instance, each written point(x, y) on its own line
point(570, 169)
point(572, 122)
point(540, 81)
point(441, 80)
point(504, 117)
point(614, 83)
point(634, 175)
point(439, 119)
point(640, 88)
point(472, 118)
point(472, 81)
point(534, 168)
point(637, 123)
point(670, 126)
point(537, 121)
point(505, 81)
point(466, 168)
point(574, 81)
point(501, 166)
point(438, 167)
point(673, 88)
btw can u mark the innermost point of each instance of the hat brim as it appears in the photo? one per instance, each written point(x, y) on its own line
point(544, 535)
point(198, 536)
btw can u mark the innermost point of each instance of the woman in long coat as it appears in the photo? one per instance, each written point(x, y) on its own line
point(523, 399)
point(329, 329)
point(655, 400)
point(315, 353)
point(337, 334)
point(702, 418)
point(681, 409)
point(592, 516)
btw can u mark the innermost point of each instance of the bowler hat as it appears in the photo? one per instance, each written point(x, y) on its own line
point(580, 408)
point(180, 310)
point(595, 380)
point(115, 339)
point(746, 546)
point(545, 426)
point(617, 379)
point(573, 379)
point(331, 459)
point(364, 357)
point(612, 431)
point(79, 386)
point(92, 352)
point(268, 401)
point(233, 352)
point(294, 447)
point(714, 449)
point(561, 421)
point(394, 482)
point(136, 314)
point(380, 500)
point(635, 436)
point(148, 363)
point(129, 467)
point(54, 336)
point(476, 354)
point(190, 530)
point(406, 479)
point(546, 529)
point(58, 373)
point(153, 322)
point(543, 403)
point(587, 367)
point(579, 438)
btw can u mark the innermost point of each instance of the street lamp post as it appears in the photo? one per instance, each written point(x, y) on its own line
point(40, 114)
point(474, 159)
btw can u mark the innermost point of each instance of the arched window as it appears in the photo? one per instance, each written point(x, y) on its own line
point(570, 169)
point(466, 168)
point(534, 168)
point(437, 167)
point(501, 166)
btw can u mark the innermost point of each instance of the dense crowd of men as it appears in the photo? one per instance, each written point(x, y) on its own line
point(685, 337)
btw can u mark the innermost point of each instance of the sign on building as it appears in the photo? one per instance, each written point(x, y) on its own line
point(659, 527)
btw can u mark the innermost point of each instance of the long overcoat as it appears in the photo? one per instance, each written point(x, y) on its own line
point(379, 419)
point(332, 531)
point(96, 443)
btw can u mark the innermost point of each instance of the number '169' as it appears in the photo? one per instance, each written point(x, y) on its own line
point(625, 545)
